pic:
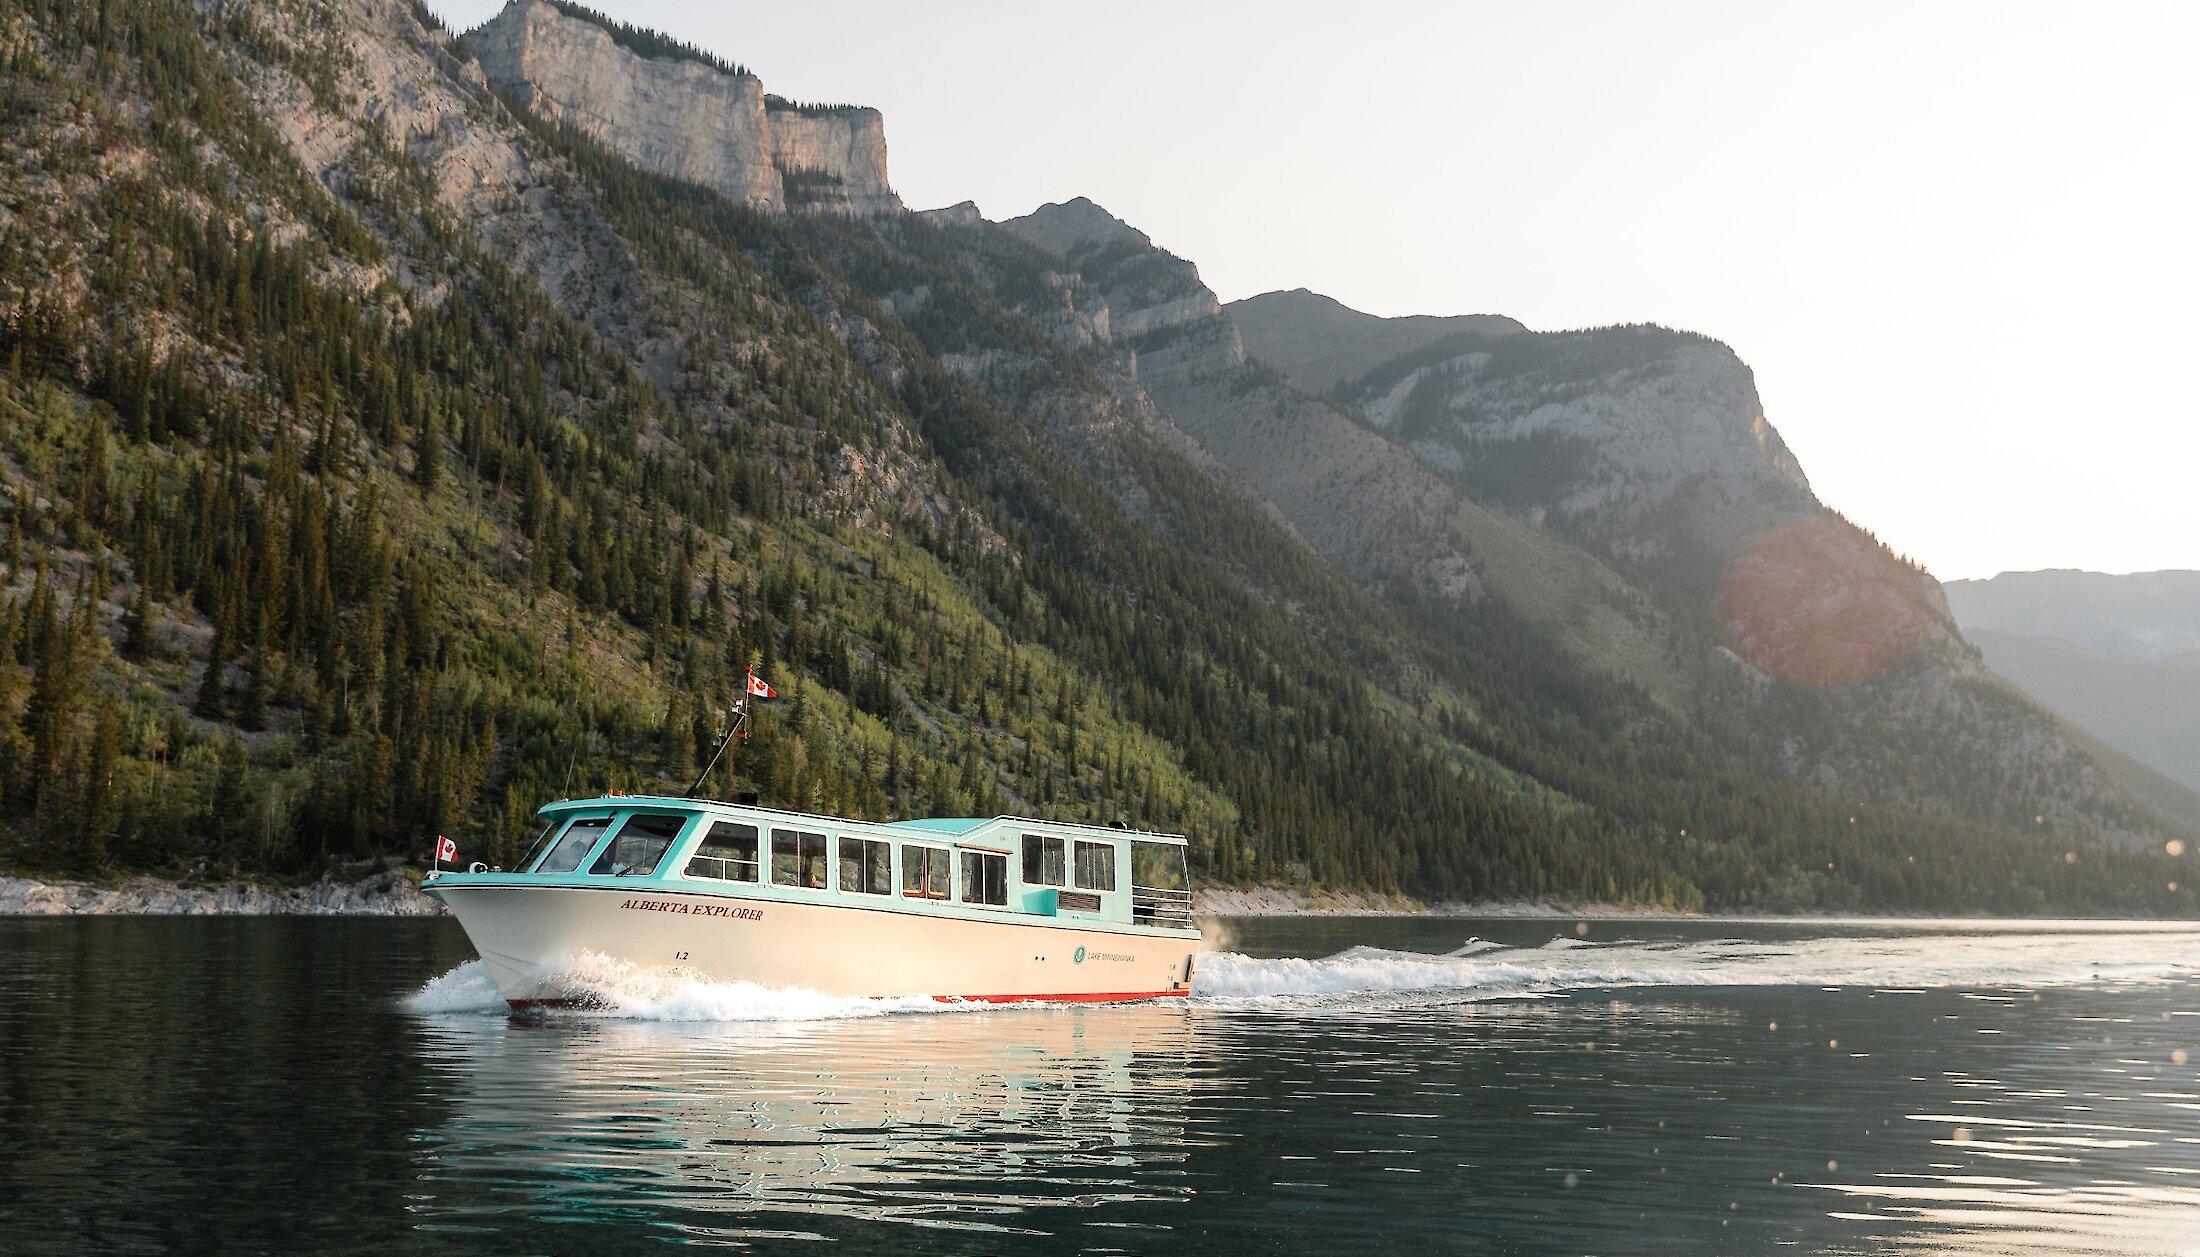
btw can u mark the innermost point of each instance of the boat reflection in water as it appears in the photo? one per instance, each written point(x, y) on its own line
point(963, 1119)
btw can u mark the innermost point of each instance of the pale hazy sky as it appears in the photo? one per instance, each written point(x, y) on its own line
point(1956, 241)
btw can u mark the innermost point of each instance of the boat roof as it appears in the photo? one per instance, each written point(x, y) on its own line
point(923, 827)
point(952, 826)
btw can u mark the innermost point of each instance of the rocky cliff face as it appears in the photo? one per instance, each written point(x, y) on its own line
point(1461, 456)
point(1640, 441)
point(682, 118)
point(1363, 501)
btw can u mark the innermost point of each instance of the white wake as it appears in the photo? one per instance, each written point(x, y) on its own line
point(1477, 970)
point(1483, 969)
point(617, 989)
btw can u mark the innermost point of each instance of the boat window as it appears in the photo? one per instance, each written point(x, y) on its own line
point(541, 842)
point(798, 859)
point(640, 844)
point(1161, 888)
point(1043, 859)
point(574, 845)
point(1096, 865)
point(924, 872)
point(728, 853)
point(866, 867)
point(1159, 865)
point(985, 878)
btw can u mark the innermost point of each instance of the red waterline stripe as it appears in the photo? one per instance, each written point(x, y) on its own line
point(1099, 997)
point(1106, 997)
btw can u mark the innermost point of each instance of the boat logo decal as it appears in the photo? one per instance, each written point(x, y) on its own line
point(1079, 958)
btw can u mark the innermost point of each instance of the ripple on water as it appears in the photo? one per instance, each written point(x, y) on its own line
point(1663, 1088)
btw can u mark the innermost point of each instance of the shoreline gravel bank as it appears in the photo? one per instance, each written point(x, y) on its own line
point(395, 894)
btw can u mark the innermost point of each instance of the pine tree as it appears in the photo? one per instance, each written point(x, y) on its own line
point(139, 622)
point(93, 469)
point(97, 811)
point(212, 690)
point(252, 709)
point(428, 452)
point(676, 743)
point(57, 682)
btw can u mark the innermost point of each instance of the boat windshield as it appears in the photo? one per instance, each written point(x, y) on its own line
point(541, 842)
point(574, 845)
point(640, 845)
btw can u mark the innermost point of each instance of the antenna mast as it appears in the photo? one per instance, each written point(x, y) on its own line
point(737, 725)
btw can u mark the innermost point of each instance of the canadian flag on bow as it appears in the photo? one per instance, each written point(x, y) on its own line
point(761, 688)
point(445, 849)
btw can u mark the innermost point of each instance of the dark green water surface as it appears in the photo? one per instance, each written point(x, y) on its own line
point(281, 1085)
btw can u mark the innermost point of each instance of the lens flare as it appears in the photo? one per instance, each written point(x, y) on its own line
point(1817, 602)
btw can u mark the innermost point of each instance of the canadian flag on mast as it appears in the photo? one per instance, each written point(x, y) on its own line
point(445, 849)
point(760, 688)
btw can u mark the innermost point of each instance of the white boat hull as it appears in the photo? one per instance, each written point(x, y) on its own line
point(530, 936)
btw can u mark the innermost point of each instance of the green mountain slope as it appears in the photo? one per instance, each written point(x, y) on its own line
point(2149, 708)
point(379, 461)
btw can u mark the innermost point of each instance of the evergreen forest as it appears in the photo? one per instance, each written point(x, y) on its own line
point(336, 515)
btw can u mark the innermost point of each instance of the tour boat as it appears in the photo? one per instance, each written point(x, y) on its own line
point(1001, 909)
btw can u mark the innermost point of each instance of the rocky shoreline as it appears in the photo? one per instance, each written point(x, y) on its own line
point(394, 894)
point(1284, 901)
point(397, 894)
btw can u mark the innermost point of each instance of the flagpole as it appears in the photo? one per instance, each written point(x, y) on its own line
point(737, 723)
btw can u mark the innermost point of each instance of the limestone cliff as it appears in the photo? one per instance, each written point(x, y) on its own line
point(1461, 455)
point(1360, 499)
point(1643, 442)
point(678, 116)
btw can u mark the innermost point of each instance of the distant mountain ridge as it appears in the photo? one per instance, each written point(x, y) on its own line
point(2118, 656)
point(1320, 343)
point(2147, 708)
point(2146, 615)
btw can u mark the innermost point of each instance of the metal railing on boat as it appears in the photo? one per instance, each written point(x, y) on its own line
point(1155, 905)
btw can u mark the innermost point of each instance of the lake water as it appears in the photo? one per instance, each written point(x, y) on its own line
point(287, 1085)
